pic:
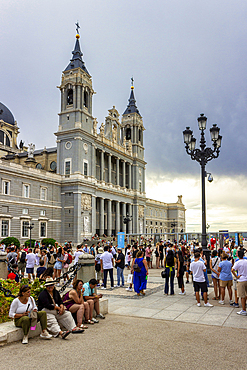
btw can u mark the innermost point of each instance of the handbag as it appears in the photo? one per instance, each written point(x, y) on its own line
point(136, 267)
point(163, 274)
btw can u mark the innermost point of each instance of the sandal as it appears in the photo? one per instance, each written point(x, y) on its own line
point(83, 326)
point(77, 331)
point(65, 334)
point(214, 298)
point(90, 322)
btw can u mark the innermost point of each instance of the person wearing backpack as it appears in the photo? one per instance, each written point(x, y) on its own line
point(21, 260)
point(11, 257)
point(214, 264)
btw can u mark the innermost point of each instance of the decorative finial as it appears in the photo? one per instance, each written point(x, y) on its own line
point(77, 30)
point(132, 82)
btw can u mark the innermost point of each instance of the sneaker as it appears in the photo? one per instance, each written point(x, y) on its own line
point(236, 305)
point(25, 339)
point(103, 288)
point(199, 304)
point(98, 285)
point(231, 303)
point(208, 305)
point(45, 335)
point(221, 302)
point(95, 320)
point(100, 316)
point(242, 312)
point(117, 286)
point(182, 293)
point(112, 287)
point(129, 289)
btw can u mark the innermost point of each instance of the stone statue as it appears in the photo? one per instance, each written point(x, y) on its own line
point(129, 146)
point(102, 128)
point(86, 201)
point(124, 142)
point(86, 224)
point(114, 133)
point(141, 211)
point(95, 127)
point(180, 199)
point(31, 150)
point(21, 144)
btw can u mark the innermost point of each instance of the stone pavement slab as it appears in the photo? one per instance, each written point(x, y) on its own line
point(177, 307)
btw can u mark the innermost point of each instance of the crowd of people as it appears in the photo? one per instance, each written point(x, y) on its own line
point(74, 311)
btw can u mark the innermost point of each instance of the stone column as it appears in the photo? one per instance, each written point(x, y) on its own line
point(74, 97)
point(101, 217)
point(130, 227)
point(130, 182)
point(102, 166)
point(77, 218)
point(132, 134)
point(78, 97)
point(62, 100)
point(117, 217)
point(109, 217)
point(93, 221)
point(92, 171)
point(117, 174)
point(124, 215)
point(124, 174)
point(3, 266)
point(109, 168)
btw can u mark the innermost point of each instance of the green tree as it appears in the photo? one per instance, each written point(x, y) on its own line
point(10, 240)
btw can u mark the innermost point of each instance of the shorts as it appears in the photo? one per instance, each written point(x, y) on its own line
point(58, 265)
point(22, 266)
point(242, 289)
point(29, 270)
point(148, 259)
point(100, 275)
point(226, 283)
point(200, 286)
point(235, 284)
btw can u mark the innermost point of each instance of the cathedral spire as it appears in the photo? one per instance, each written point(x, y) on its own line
point(76, 61)
point(131, 107)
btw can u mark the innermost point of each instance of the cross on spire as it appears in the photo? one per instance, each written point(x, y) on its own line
point(77, 27)
point(132, 81)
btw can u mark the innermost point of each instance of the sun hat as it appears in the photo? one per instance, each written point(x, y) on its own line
point(101, 250)
point(49, 281)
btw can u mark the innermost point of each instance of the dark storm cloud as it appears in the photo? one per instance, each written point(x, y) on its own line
point(187, 57)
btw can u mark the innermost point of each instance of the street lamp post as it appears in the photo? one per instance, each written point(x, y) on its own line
point(30, 227)
point(203, 156)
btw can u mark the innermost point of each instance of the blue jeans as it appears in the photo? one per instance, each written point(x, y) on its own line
point(171, 280)
point(120, 275)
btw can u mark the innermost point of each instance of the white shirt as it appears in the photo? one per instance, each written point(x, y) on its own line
point(241, 267)
point(31, 259)
point(106, 258)
point(197, 268)
point(76, 255)
point(18, 307)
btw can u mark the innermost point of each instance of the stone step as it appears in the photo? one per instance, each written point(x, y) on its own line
point(10, 333)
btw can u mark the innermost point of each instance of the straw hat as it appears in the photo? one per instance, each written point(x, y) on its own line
point(49, 281)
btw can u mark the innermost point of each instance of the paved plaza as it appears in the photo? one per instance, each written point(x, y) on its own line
point(172, 308)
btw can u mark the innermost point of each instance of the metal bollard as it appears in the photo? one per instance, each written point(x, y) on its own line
point(87, 271)
point(3, 265)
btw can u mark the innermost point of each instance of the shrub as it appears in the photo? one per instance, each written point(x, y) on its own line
point(10, 240)
point(48, 241)
point(27, 243)
point(5, 302)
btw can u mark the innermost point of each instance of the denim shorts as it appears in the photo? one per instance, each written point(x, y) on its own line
point(58, 265)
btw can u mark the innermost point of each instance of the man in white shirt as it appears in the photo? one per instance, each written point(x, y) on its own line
point(106, 262)
point(198, 268)
point(77, 254)
point(241, 268)
point(30, 260)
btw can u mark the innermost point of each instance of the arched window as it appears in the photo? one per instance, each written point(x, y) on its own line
point(1, 137)
point(70, 97)
point(85, 99)
point(128, 134)
point(7, 141)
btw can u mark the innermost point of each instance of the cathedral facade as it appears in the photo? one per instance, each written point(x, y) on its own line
point(90, 182)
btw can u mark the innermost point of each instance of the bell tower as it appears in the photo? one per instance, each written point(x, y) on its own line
point(76, 94)
point(76, 122)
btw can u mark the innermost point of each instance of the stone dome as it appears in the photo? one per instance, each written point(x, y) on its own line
point(6, 115)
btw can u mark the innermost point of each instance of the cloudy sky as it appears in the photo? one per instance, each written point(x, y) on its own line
point(187, 57)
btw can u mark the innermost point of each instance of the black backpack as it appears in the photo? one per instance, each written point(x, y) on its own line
point(23, 257)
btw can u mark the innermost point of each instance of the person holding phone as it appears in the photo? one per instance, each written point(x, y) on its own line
point(20, 311)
